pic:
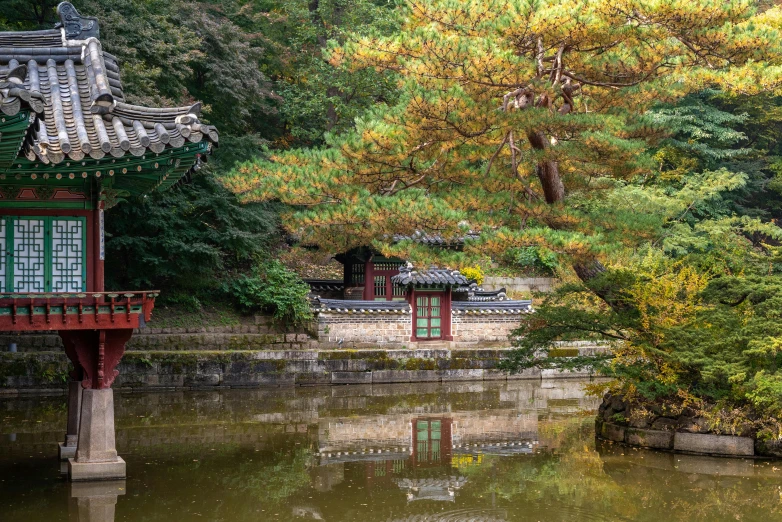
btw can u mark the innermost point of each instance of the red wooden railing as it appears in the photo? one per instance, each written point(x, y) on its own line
point(75, 311)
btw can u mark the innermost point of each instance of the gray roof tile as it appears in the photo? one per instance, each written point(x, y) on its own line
point(485, 307)
point(75, 89)
point(353, 307)
point(436, 239)
point(432, 276)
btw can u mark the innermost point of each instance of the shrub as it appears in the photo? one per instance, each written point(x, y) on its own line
point(274, 288)
point(536, 259)
point(473, 273)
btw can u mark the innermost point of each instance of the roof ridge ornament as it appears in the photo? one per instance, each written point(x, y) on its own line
point(75, 26)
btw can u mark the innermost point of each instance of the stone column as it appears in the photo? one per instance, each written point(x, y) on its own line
point(95, 502)
point(96, 455)
point(97, 353)
point(68, 448)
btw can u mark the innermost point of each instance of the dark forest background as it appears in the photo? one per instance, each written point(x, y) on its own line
point(258, 69)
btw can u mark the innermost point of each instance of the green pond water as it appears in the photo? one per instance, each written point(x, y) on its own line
point(504, 451)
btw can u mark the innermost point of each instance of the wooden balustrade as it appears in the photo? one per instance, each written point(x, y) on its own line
point(75, 311)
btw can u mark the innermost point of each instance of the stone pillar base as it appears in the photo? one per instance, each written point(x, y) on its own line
point(83, 471)
point(66, 452)
point(96, 455)
point(68, 448)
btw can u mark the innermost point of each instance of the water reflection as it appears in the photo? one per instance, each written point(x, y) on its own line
point(503, 451)
point(96, 501)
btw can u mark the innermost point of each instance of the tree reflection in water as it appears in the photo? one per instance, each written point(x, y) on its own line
point(502, 451)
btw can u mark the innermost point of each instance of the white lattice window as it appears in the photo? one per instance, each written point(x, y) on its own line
point(43, 254)
point(68, 267)
point(29, 255)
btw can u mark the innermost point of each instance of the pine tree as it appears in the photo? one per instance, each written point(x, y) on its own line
point(515, 119)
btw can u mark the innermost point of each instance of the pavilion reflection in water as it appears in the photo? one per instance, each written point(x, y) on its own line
point(423, 451)
point(412, 450)
point(422, 455)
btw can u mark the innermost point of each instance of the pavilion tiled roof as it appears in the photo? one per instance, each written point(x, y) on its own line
point(457, 515)
point(65, 78)
point(325, 285)
point(347, 306)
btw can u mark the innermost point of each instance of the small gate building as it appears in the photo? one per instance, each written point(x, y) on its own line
point(384, 301)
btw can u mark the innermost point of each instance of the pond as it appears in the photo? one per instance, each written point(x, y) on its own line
point(502, 451)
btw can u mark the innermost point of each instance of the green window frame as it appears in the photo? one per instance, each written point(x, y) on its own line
point(43, 254)
point(428, 436)
point(428, 324)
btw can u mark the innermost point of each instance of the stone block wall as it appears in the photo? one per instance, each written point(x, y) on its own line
point(489, 327)
point(48, 371)
point(381, 328)
point(229, 338)
point(260, 336)
point(517, 285)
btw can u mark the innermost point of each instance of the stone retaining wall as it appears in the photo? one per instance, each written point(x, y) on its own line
point(693, 443)
point(262, 336)
point(378, 328)
point(519, 285)
point(683, 433)
point(488, 327)
point(393, 330)
point(45, 371)
point(394, 430)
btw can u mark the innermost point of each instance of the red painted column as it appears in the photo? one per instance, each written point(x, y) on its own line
point(446, 441)
point(369, 280)
point(97, 353)
point(347, 276)
point(446, 315)
point(414, 308)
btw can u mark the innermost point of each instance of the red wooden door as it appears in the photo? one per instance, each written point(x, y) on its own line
point(428, 315)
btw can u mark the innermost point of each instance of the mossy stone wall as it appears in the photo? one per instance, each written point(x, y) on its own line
point(20, 372)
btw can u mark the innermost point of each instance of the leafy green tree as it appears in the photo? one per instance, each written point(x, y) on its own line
point(16, 15)
point(317, 96)
point(185, 238)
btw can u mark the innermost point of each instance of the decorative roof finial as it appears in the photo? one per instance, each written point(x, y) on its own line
point(77, 27)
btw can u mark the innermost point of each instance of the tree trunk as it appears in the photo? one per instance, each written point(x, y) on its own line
point(547, 170)
point(331, 111)
point(548, 174)
point(554, 192)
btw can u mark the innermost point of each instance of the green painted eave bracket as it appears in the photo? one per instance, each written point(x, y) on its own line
point(134, 174)
point(13, 130)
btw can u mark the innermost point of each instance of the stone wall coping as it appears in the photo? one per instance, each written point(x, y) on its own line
point(678, 442)
point(519, 280)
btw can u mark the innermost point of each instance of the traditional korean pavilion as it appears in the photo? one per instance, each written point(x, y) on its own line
point(70, 146)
